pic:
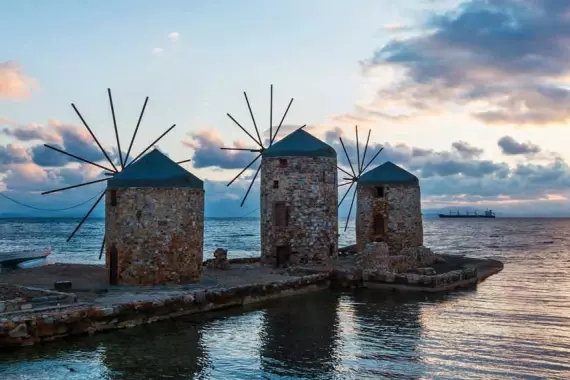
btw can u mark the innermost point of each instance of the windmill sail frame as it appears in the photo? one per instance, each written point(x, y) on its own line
point(355, 175)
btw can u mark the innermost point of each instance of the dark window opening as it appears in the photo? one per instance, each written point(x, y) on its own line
point(324, 176)
point(282, 163)
point(113, 197)
point(331, 250)
point(379, 225)
point(283, 253)
point(275, 184)
point(380, 192)
point(281, 214)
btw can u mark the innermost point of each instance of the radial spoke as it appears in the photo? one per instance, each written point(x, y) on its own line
point(242, 149)
point(357, 150)
point(94, 138)
point(346, 183)
point(365, 149)
point(279, 127)
point(244, 169)
point(250, 185)
point(373, 158)
point(345, 194)
point(344, 171)
point(183, 161)
point(243, 129)
point(78, 158)
point(151, 145)
point(86, 216)
point(348, 158)
point(350, 211)
point(74, 186)
point(102, 246)
point(136, 130)
point(116, 130)
point(253, 119)
point(270, 114)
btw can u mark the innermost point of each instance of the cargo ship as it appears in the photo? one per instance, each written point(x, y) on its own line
point(486, 214)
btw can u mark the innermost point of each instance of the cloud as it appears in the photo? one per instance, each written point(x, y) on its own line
point(503, 61)
point(174, 36)
point(157, 51)
point(13, 154)
point(207, 153)
point(509, 146)
point(461, 175)
point(395, 27)
point(14, 84)
point(70, 138)
point(466, 150)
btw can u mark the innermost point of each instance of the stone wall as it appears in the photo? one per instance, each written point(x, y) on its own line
point(377, 258)
point(401, 208)
point(158, 234)
point(308, 188)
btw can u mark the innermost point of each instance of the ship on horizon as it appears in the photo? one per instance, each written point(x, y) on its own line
point(486, 214)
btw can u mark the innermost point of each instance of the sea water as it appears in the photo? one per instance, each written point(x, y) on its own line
point(514, 325)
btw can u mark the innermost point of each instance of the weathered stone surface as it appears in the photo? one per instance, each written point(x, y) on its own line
point(308, 188)
point(400, 208)
point(418, 256)
point(377, 258)
point(158, 234)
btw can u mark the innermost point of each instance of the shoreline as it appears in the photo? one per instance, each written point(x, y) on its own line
point(92, 306)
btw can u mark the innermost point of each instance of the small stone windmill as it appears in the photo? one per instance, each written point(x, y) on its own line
point(299, 221)
point(154, 214)
point(388, 206)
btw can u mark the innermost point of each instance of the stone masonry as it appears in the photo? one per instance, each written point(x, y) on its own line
point(158, 234)
point(395, 217)
point(299, 223)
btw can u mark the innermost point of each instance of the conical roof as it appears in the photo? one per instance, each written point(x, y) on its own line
point(155, 169)
point(300, 143)
point(387, 174)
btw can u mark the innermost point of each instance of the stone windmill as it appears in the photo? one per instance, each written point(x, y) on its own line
point(388, 206)
point(154, 214)
point(299, 220)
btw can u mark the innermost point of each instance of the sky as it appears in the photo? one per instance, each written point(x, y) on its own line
point(471, 96)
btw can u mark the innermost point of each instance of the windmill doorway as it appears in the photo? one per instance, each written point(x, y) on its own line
point(283, 253)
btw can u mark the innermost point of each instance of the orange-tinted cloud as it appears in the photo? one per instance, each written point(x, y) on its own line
point(14, 84)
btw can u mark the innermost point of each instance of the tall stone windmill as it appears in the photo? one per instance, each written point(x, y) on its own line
point(388, 206)
point(299, 220)
point(154, 214)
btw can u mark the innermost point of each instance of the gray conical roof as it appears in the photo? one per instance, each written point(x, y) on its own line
point(300, 143)
point(155, 169)
point(387, 174)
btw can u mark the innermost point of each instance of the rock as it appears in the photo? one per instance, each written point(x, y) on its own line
point(20, 331)
point(439, 260)
point(62, 286)
point(220, 259)
point(428, 271)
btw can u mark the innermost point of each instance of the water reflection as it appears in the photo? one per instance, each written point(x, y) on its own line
point(388, 329)
point(300, 336)
point(167, 350)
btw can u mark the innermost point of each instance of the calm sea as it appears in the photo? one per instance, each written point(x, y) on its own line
point(514, 325)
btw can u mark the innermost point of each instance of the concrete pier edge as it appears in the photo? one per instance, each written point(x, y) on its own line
point(38, 326)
